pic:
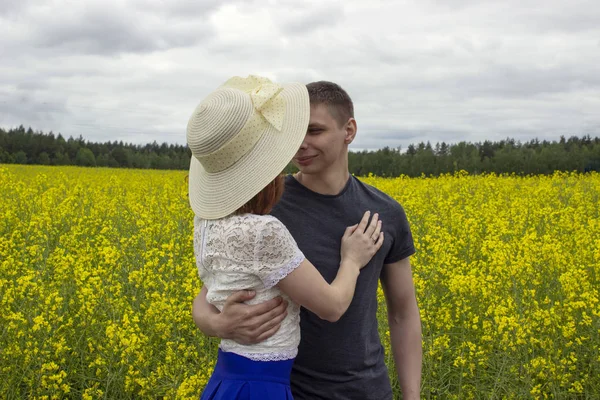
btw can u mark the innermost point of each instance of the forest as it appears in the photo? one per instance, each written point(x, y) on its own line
point(582, 154)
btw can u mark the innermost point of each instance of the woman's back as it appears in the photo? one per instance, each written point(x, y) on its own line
point(249, 252)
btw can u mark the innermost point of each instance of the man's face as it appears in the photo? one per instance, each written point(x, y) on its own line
point(325, 144)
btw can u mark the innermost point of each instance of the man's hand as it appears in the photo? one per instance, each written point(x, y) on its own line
point(245, 324)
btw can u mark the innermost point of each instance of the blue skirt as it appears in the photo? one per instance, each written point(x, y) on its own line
point(238, 378)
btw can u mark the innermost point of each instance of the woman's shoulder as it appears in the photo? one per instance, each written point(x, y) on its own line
point(253, 220)
point(262, 227)
point(253, 226)
point(237, 219)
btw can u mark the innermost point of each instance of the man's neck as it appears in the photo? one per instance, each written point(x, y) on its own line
point(330, 182)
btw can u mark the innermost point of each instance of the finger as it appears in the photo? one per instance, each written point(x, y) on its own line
point(244, 341)
point(379, 242)
point(375, 234)
point(260, 318)
point(350, 230)
point(265, 307)
point(240, 296)
point(362, 225)
point(372, 226)
point(268, 334)
point(270, 323)
point(255, 334)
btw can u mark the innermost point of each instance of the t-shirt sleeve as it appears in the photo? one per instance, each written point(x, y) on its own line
point(403, 245)
point(276, 253)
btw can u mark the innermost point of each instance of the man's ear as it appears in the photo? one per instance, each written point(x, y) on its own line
point(350, 129)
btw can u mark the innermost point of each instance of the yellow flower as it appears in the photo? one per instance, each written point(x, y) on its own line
point(97, 277)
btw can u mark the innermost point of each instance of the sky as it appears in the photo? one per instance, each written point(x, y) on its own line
point(428, 70)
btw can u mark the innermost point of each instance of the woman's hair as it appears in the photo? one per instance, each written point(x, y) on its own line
point(265, 200)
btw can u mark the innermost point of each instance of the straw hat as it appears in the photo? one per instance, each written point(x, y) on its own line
point(241, 137)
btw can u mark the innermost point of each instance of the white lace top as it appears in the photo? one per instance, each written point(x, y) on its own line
point(250, 252)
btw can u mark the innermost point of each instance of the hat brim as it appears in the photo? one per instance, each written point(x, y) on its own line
point(218, 194)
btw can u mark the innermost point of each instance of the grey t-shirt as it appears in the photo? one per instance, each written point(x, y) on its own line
point(345, 359)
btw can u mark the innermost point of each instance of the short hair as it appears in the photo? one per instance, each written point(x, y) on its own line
point(265, 200)
point(334, 97)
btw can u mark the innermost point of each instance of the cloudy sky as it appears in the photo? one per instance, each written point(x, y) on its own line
point(437, 70)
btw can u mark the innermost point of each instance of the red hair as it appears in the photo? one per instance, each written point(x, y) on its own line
point(265, 200)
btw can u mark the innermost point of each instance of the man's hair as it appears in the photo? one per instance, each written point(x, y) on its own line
point(334, 97)
point(265, 200)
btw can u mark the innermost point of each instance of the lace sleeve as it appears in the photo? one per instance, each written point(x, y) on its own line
point(276, 253)
point(199, 246)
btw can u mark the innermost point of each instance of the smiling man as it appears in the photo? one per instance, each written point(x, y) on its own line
point(345, 359)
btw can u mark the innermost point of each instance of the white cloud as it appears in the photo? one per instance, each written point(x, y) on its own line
point(430, 70)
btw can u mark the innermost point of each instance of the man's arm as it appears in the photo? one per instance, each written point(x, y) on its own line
point(246, 324)
point(405, 325)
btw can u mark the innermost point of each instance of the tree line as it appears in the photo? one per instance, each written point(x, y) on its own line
point(24, 146)
point(504, 156)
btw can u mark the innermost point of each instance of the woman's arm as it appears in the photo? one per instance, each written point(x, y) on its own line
point(306, 286)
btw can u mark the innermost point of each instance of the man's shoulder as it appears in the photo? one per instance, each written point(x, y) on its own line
point(377, 196)
point(389, 209)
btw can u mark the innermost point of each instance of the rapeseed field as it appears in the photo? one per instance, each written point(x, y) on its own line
point(97, 277)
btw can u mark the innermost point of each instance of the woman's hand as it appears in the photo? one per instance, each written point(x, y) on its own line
point(361, 242)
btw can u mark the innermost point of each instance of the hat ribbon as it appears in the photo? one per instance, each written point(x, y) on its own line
point(264, 95)
point(269, 104)
point(269, 109)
